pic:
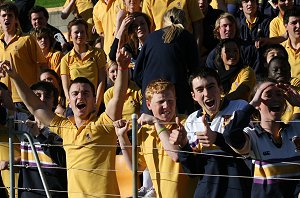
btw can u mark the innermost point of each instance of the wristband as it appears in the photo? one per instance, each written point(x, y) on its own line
point(122, 68)
point(161, 130)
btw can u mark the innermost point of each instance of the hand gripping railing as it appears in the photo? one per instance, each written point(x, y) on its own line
point(11, 158)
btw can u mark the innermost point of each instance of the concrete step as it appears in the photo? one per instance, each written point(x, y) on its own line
point(57, 21)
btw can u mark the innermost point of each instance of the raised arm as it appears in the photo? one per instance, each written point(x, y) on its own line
point(234, 132)
point(121, 127)
point(115, 105)
point(67, 9)
point(100, 88)
point(32, 102)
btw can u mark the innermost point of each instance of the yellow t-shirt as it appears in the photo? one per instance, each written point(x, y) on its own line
point(294, 58)
point(85, 10)
point(53, 60)
point(156, 9)
point(277, 27)
point(245, 77)
point(290, 110)
point(27, 57)
point(105, 16)
point(163, 170)
point(132, 102)
point(88, 67)
point(88, 159)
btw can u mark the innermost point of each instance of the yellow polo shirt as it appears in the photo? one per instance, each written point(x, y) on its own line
point(105, 16)
point(88, 67)
point(85, 10)
point(53, 60)
point(294, 58)
point(277, 27)
point(90, 155)
point(27, 57)
point(156, 9)
point(4, 155)
point(163, 170)
point(245, 77)
point(132, 102)
point(291, 110)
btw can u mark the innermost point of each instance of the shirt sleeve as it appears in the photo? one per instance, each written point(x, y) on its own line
point(56, 125)
point(101, 58)
point(64, 66)
point(97, 20)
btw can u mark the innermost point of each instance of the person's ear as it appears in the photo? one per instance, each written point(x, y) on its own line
point(148, 103)
point(193, 95)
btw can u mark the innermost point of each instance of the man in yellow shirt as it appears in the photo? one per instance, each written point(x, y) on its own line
point(104, 16)
point(291, 21)
point(155, 151)
point(23, 49)
point(276, 25)
point(87, 139)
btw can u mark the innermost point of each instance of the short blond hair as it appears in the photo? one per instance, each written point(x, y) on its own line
point(158, 86)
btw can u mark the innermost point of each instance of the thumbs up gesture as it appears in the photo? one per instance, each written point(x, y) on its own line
point(178, 135)
point(207, 137)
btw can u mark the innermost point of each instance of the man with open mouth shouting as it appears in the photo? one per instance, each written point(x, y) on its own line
point(87, 138)
point(203, 134)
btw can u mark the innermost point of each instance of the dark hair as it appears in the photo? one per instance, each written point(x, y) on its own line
point(53, 73)
point(218, 60)
point(3, 86)
point(77, 21)
point(277, 47)
point(279, 58)
point(8, 6)
point(291, 12)
point(61, 94)
point(43, 32)
point(37, 9)
point(139, 14)
point(85, 81)
point(48, 88)
point(133, 42)
point(263, 59)
point(241, 1)
point(204, 72)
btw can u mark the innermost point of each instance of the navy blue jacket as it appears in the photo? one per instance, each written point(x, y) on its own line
point(170, 61)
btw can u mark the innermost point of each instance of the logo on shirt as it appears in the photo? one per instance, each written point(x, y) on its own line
point(179, 4)
point(296, 141)
point(226, 119)
point(88, 137)
point(266, 153)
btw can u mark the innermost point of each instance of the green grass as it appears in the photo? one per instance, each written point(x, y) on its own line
point(50, 3)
